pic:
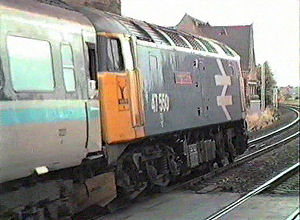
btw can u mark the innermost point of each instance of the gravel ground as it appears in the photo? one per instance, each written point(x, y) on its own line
point(285, 117)
point(251, 174)
point(290, 186)
point(254, 173)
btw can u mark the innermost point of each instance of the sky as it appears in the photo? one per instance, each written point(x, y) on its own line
point(275, 23)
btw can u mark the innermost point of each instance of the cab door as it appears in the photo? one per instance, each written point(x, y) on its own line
point(120, 89)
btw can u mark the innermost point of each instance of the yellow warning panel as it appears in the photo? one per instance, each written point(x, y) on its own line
point(116, 108)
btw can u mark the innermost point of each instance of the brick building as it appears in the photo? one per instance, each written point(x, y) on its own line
point(113, 6)
point(239, 38)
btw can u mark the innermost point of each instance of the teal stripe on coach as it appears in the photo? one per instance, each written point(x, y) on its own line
point(11, 117)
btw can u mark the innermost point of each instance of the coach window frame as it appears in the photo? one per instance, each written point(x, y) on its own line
point(51, 61)
point(63, 66)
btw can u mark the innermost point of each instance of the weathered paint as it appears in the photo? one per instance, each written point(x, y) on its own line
point(224, 100)
point(32, 137)
point(194, 102)
point(54, 129)
point(121, 98)
point(14, 116)
point(116, 108)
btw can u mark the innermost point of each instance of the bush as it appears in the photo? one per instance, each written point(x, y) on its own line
point(261, 120)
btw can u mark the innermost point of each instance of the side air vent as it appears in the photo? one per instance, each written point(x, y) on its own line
point(225, 49)
point(134, 29)
point(208, 46)
point(178, 41)
point(194, 43)
point(154, 33)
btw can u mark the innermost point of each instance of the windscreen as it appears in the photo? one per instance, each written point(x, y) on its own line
point(110, 56)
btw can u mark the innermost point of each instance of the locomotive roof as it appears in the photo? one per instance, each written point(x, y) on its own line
point(165, 36)
point(112, 23)
point(47, 9)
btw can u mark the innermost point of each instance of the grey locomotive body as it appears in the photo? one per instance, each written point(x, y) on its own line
point(91, 102)
point(184, 90)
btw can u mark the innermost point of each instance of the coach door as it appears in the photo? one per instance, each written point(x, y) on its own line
point(94, 142)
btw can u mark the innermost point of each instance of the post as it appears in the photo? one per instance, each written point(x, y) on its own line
point(263, 88)
point(275, 97)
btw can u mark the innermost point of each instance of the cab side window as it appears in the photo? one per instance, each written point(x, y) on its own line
point(68, 67)
point(30, 64)
point(114, 55)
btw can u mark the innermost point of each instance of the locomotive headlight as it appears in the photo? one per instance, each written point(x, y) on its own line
point(41, 170)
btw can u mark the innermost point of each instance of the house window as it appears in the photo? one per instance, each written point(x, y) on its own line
point(30, 64)
point(68, 67)
point(114, 55)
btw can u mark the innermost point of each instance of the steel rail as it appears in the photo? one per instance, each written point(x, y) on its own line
point(294, 215)
point(243, 159)
point(230, 166)
point(236, 163)
point(266, 149)
point(278, 130)
point(240, 160)
point(256, 191)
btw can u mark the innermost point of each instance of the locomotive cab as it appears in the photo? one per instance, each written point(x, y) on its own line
point(120, 89)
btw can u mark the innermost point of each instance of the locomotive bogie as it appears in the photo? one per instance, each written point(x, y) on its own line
point(157, 162)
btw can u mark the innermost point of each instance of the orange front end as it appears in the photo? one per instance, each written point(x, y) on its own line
point(121, 107)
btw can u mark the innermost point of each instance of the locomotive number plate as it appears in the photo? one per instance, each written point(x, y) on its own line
point(160, 102)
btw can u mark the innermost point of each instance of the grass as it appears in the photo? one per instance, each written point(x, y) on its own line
point(291, 102)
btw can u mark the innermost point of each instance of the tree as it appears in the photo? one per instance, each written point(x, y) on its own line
point(270, 82)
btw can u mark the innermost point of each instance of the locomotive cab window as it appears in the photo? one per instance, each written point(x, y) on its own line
point(114, 55)
point(111, 57)
point(30, 64)
point(68, 67)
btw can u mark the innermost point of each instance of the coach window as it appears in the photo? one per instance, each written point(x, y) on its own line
point(68, 67)
point(30, 64)
point(114, 55)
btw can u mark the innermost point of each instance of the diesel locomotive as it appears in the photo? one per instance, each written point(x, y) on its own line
point(95, 106)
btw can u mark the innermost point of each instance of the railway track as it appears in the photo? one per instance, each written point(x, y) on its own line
point(243, 159)
point(236, 163)
point(295, 215)
point(246, 158)
point(284, 128)
point(271, 183)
